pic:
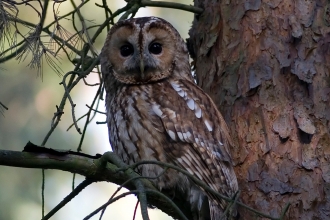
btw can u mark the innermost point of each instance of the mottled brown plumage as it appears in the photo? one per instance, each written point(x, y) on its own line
point(155, 111)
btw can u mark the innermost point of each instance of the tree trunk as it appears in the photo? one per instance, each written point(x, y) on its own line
point(266, 65)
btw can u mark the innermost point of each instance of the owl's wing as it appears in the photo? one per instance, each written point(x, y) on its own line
point(198, 133)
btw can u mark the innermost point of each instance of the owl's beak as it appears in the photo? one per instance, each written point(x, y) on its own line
point(142, 68)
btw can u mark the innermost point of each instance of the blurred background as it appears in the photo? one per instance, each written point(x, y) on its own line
point(31, 101)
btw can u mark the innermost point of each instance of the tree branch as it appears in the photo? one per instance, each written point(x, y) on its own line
point(94, 168)
point(110, 168)
point(183, 7)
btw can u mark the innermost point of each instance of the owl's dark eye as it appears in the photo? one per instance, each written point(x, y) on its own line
point(126, 50)
point(155, 48)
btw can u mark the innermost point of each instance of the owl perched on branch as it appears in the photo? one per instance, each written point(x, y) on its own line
point(155, 111)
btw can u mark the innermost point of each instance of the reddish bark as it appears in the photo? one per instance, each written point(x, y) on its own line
point(266, 64)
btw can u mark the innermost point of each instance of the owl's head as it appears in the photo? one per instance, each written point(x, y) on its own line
point(142, 50)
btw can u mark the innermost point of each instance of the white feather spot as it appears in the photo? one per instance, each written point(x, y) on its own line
point(208, 125)
point(175, 86)
point(220, 143)
point(181, 93)
point(198, 111)
point(172, 135)
point(217, 154)
point(191, 104)
point(186, 135)
point(180, 135)
point(157, 111)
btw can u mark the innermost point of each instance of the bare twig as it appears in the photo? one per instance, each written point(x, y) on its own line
point(103, 113)
point(183, 7)
point(109, 202)
point(135, 209)
point(138, 184)
point(68, 198)
point(2, 106)
point(67, 93)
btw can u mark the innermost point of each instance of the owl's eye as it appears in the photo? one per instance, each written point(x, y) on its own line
point(155, 48)
point(126, 50)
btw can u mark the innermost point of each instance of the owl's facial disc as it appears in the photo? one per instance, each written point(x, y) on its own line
point(142, 54)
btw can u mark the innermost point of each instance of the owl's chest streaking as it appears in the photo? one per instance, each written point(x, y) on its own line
point(135, 131)
point(132, 133)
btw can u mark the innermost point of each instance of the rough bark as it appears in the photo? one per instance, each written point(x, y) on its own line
point(266, 65)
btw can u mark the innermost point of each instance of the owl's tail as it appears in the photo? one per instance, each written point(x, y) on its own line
point(218, 213)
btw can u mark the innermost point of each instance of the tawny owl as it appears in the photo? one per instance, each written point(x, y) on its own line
point(155, 111)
